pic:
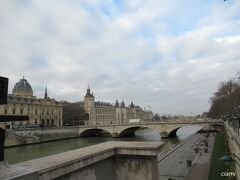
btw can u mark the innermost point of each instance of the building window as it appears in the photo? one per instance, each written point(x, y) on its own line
point(47, 112)
point(21, 111)
point(36, 111)
point(52, 122)
point(35, 121)
point(5, 111)
point(43, 122)
point(14, 110)
point(47, 121)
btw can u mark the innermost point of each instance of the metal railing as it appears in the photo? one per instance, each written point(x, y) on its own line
point(163, 154)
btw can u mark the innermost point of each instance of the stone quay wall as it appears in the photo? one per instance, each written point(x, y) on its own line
point(108, 161)
point(30, 136)
point(233, 136)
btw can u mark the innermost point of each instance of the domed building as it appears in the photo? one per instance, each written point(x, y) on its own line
point(41, 111)
point(22, 88)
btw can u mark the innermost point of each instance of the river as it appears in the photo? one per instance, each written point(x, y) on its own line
point(23, 153)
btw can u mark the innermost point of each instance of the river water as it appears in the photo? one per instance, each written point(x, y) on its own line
point(23, 153)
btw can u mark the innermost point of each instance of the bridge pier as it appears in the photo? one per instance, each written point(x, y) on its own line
point(115, 135)
point(163, 134)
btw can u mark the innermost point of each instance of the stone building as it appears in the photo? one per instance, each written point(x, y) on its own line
point(99, 112)
point(107, 113)
point(41, 111)
point(74, 114)
point(124, 114)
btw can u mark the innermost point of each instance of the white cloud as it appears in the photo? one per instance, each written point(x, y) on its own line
point(146, 51)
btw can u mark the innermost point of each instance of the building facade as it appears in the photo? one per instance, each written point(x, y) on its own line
point(107, 113)
point(41, 111)
point(74, 114)
point(47, 111)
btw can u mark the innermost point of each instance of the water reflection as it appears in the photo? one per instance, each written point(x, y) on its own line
point(186, 131)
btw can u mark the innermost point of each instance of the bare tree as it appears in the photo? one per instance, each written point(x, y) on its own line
point(226, 100)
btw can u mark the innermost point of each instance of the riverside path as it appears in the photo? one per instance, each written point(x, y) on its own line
point(173, 165)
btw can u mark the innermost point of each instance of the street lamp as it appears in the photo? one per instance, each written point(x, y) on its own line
point(229, 157)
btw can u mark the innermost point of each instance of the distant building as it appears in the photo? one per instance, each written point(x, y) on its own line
point(74, 114)
point(124, 114)
point(41, 111)
point(49, 112)
point(107, 113)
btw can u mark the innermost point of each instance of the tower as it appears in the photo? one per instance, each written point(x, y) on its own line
point(116, 104)
point(45, 95)
point(89, 106)
point(131, 105)
point(122, 105)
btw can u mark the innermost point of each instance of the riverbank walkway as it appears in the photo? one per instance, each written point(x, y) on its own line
point(174, 165)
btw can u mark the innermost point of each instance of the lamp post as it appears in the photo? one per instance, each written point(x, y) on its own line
point(229, 157)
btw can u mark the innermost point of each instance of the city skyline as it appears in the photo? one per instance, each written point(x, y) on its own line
point(98, 99)
point(169, 55)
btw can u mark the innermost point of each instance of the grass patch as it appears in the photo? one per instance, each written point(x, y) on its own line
point(217, 166)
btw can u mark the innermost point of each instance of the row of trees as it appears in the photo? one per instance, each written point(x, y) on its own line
point(226, 101)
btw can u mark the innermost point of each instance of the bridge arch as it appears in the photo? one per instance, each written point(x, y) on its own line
point(164, 132)
point(173, 133)
point(130, 131)
point(94, 132)
point(164, 129)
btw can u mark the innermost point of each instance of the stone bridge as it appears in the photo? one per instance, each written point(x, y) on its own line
point(165, 129)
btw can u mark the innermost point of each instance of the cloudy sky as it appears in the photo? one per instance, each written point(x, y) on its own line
point(170, 55)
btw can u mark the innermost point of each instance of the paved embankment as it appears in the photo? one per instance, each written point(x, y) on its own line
point(174, 163)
